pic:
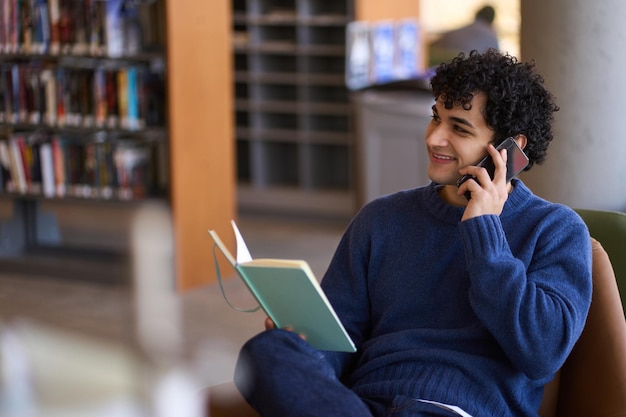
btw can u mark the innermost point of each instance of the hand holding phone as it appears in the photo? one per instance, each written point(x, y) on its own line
point(516, 162)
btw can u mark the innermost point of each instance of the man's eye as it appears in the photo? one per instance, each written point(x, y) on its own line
point(435, 118)
point(459, 129)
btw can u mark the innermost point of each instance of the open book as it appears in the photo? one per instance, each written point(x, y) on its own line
point(290, 295)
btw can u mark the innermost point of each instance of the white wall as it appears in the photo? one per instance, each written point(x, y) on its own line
point(578, 46)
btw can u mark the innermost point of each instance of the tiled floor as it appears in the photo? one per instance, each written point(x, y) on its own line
point(210, 331)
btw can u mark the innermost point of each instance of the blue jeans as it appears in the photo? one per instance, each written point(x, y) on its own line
point(281, 375)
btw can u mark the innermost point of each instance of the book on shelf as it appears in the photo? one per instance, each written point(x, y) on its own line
point(3, 27)
point(130, 97)
point(3, 96)
point(73, 166)
point(55, 33)
point(74, 115)
point(111, 91)
point(80, 27)
point(106, 174)
point(290, 295)
point(97, 35)
point(132, 28)
point(132, 116)
point(22, 160)
point(19, 184)
point(34, 93)
point(132, 169)
point(25, 25)
point(96, 166)
point(32, 159)
point(61, 111)
point(86, 90)
point(48, 81)
point(122, 97)
point(7, 91)
point(8, 183)
point(80, 42)
point(12, 25)
point(99, 97)
point(47, 169)
point(24, 163)
point(14, 82)
point(131, 94)
point(88, 178)
point(114, 24)
point(58, 163)
point(22, 96)
point(151, 18)
point(62, 96)
point(98, 178)
point(66, 22)
point(152, 98)
point(41, 26)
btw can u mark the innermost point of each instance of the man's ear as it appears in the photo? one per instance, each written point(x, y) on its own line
point(521, 140)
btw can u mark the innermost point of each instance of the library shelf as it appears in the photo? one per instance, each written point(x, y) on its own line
point(170, 136)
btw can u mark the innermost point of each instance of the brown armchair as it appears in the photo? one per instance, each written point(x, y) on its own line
point(592, 383)
point(609, 227)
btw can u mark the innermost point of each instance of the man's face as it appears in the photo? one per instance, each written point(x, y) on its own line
point(456, 138)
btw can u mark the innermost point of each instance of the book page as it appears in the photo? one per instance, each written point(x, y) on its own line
point(243, 254)
point(453, 408)
point(280, 263)
point(223, 248)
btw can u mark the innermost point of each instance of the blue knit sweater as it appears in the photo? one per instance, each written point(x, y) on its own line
point(478, 314)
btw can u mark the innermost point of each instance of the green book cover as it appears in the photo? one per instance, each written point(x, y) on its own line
point(290, 295)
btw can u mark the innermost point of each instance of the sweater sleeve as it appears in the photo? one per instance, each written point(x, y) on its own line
point(533, 298)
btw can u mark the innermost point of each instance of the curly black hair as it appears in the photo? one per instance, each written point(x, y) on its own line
point(517, 101)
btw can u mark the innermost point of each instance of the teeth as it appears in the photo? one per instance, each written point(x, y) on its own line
point(443, 157)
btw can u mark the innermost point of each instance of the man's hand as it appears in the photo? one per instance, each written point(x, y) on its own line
point(489, 196)
point(269, 325)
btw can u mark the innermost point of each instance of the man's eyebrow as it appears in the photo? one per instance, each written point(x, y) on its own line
point(462, 121)
point(456, 119)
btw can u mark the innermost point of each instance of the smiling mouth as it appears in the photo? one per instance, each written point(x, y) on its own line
point(443, 157)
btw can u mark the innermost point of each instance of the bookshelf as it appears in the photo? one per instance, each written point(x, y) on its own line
point(294, 123)
point(159, 134)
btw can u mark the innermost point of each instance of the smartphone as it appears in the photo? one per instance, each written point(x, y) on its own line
point(515, 163)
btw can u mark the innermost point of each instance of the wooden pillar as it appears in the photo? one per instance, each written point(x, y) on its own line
point(199, 77)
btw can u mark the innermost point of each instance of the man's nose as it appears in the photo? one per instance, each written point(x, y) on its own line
point(436, 136)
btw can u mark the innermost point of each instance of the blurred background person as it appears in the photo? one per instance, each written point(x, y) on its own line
point(479, 35)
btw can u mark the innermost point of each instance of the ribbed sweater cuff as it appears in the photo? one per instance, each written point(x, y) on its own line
point(482, 235)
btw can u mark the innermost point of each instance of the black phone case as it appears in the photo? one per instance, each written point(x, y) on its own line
point(516, 162)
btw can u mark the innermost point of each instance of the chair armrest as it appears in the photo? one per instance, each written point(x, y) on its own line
point(593, 379)
point(224, 400)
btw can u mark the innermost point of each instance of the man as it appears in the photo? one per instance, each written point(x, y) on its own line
point(478, 35)
point(456, 306)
